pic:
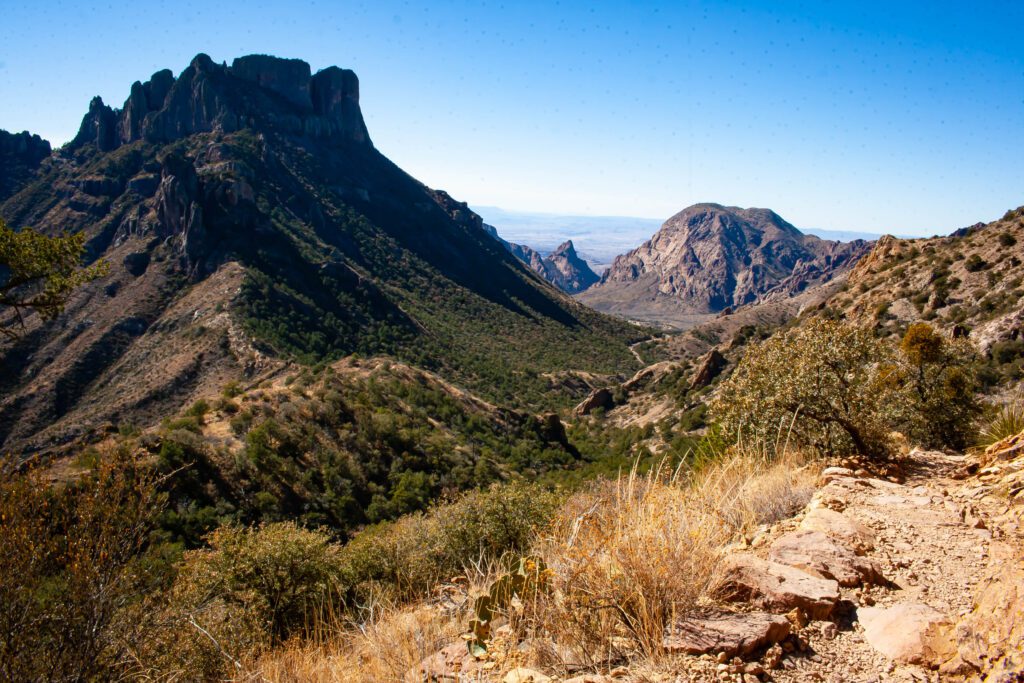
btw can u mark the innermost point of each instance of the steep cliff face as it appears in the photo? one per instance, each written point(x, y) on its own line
point(248, 220)
point(21, 155)
point(709, 257)
point(208, 97)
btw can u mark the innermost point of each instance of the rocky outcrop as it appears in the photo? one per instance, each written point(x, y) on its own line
point(816, 553)
point(710, 257)
point(777, 587)
point(908, 633)
point(98, 127)
point(598, 398)
point(730, 633)
point(567, 271)
point(21, 154)
point(563, 267)
point(710, 367)
point(257, 91)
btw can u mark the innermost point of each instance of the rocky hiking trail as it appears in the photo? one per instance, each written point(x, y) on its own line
point(912, 577)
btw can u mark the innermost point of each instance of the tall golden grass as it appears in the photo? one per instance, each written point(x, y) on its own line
point(625, 558)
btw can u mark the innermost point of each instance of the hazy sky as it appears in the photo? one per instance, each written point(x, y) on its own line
point(883, 117)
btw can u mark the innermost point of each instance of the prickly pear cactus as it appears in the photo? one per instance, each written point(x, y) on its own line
point(528, 578)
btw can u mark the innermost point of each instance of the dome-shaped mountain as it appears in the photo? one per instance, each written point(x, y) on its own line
point(248, 219)
point(710, 257)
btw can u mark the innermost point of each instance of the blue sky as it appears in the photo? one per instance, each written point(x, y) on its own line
point(883, 117)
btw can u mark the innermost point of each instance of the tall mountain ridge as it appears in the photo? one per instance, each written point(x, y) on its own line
point(248, 220)
point(709, 258)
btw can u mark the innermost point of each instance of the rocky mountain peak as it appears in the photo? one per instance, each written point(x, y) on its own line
point(257, 91)
point(567, 249)
point(709, 257)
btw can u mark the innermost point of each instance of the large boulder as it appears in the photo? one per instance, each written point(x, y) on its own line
point(846, 530)
point(711, 366)
point(598, 398)
point(909, 633)
point(991, 637)
point(732, 633)
point(776, 587)
point(818, 554)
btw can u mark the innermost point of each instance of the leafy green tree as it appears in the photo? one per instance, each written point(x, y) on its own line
point(39, 273)
point(836, 388)
point(816, 385)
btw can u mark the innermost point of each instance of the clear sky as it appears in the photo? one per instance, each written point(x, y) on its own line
point(883, 117)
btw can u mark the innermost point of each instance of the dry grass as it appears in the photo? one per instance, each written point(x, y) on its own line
point(629, 556)
point(625, 558)
point(383, 650)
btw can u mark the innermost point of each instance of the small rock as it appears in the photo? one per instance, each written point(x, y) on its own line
point(840, 527)
point(773, 657)
point(524, 675)
point(829, 631)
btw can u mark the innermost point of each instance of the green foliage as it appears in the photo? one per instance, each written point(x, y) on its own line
point(39, 273)
point(409, 556)
point(936, 381)
point(974, 263)
point(836, 388)
point(814, 385)
point(1007, 240)
point(1007, 420)
point(272, 577)
point(347, 450)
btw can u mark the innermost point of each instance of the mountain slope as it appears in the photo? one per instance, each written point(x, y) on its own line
point(249, 220)
point(969, 283)
point(708, 258)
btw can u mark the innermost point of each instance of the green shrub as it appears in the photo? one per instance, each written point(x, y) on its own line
point(814, 385)
point(75, 568)
point(936, 379)
point(974, 263)
point(409, 556)
point(835, 388)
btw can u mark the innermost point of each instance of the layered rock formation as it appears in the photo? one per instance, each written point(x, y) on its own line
point(708, 258)
point(21, 154)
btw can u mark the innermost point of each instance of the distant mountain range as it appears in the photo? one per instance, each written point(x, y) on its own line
point(709, 258)
point(599, 239)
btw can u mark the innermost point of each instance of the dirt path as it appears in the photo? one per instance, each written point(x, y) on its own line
point(923, 546)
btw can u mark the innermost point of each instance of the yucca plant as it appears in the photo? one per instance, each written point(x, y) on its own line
point(1008, 421)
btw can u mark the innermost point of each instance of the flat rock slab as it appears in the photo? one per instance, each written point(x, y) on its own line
point(908, 633)
point(817, 554)
point(452, 664)
point(734, 633)
point(846, 530)
point(777, 587)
